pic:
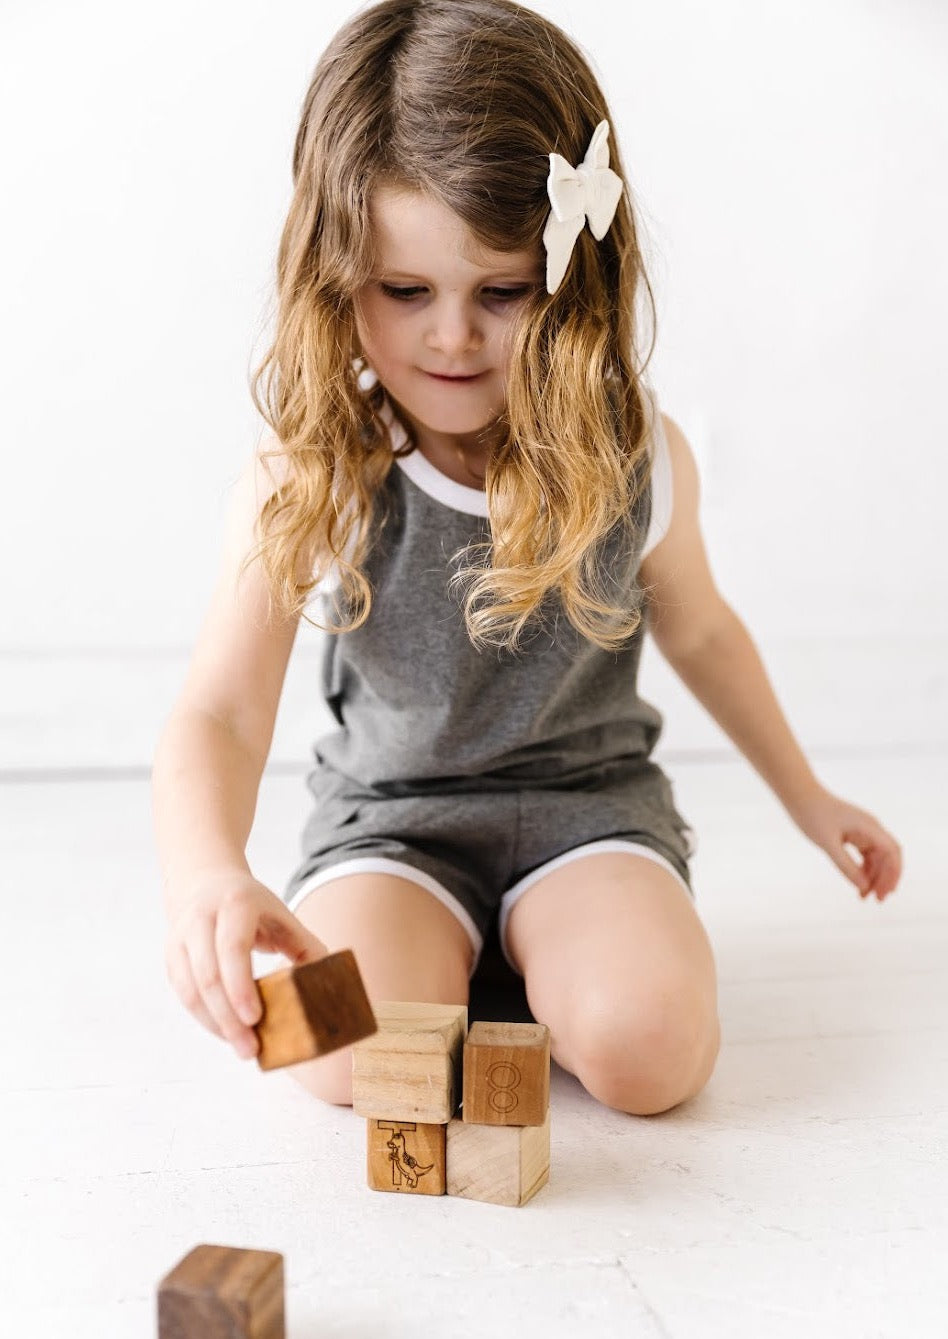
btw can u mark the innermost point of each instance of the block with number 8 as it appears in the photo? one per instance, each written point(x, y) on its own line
point(506, 1074)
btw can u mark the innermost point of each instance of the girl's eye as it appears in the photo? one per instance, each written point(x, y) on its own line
point(508, 294)
point(404, 293)
point(495, 294)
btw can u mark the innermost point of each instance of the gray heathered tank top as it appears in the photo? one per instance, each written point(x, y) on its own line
point(420, 709)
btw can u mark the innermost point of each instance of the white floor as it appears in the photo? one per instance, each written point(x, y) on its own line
point(803, 1193)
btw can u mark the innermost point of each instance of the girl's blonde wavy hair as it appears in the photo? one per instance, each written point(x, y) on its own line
point(463, 100)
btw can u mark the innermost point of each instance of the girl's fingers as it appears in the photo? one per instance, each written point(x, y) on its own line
point(853, 871)
point(235, 937)
point(285, 933)
point(178, 967)
point(871, 869)
point(890, 869)
point(211, 968)
point(205, 965)
point(882, 869)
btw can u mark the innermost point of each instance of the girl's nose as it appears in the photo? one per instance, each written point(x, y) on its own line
point(454, 329)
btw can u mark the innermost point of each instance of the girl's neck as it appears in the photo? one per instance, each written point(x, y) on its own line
point(463, 465)
point(462, 459)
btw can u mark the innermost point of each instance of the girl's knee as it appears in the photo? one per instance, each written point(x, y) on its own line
point(643, 1057)
point(329, 1078)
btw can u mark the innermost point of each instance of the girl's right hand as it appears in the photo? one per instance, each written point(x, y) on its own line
point(215, 920)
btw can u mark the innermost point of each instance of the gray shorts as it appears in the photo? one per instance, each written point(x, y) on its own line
point(478, 850)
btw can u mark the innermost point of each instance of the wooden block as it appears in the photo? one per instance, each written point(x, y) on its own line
point(507, 1074)
point(499, 1164)
point(410, 1069)
point(311, 1010)
point(222, 1292)
point(406, 1157)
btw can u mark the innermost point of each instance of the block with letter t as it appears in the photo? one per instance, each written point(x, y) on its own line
point(406, 1157)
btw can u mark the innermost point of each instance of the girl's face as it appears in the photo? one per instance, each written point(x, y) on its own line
point(437, 307)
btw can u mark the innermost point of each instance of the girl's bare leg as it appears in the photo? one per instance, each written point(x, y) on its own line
point(408, 946)
point(618, 964)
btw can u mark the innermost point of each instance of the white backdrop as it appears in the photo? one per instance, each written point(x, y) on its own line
point(789, 161)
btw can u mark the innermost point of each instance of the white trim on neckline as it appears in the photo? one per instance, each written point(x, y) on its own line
point(428, 477)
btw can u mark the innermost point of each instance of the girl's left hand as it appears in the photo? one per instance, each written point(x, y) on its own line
point(832, 823)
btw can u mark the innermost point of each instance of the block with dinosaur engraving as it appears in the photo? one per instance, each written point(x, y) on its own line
point(499, 1164)
point(410, 1069)
point(406, 1157)
point(506, 1074)
point(311, 1010)
point(223, 1292)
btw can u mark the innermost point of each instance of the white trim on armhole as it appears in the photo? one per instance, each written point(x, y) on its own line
point(661, 477)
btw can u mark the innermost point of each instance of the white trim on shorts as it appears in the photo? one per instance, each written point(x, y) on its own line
point(513, 895)
point(382, 865)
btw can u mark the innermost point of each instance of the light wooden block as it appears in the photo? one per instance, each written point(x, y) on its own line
point(406, 1157)
point(312, 1010)
point(506, 1074)
point(223, 1292)
point(499, 1164)
point(410, 1069)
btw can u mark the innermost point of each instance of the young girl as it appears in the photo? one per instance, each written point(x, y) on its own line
point(469, 484)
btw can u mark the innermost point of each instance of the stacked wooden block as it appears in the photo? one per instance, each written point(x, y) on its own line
point(407, 1081)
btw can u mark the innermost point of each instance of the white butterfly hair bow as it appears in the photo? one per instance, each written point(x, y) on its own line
point(590, 191)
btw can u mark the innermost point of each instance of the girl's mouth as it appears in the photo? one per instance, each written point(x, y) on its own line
point(460, 381)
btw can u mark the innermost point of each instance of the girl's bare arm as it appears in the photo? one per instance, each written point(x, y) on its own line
point(714, 655)
point(214, 746)
point(207, 769)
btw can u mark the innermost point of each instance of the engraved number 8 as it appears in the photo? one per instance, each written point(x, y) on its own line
point(502, 1079)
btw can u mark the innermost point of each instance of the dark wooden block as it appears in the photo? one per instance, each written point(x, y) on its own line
point(311, 1010)
point(223, 1292)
